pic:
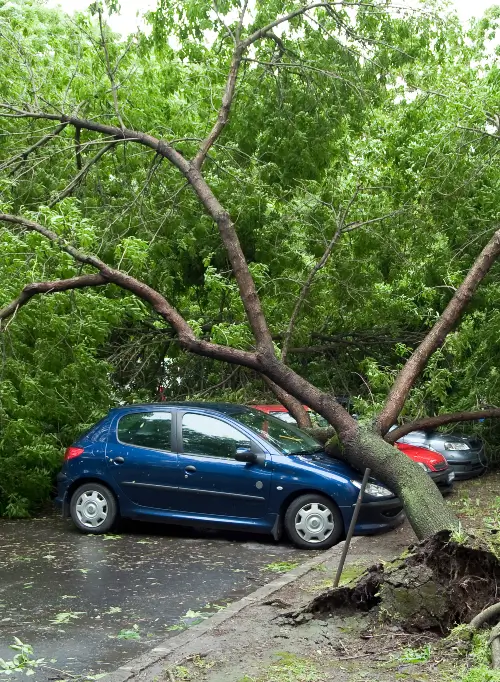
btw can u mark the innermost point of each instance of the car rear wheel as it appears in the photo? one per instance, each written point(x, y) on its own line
point(314, 522)
point(93, 508)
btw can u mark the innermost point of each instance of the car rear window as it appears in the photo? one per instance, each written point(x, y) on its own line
point(146, 429)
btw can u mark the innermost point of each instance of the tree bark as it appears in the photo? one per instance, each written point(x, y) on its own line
point(425, 508)
point(294, 406)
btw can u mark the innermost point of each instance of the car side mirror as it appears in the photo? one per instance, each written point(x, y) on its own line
point(245, 454)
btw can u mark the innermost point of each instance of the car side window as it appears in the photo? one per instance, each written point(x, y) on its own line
point(146, 429)
point(203, 435)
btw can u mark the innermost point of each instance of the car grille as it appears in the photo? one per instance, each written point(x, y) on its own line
point(440, 466)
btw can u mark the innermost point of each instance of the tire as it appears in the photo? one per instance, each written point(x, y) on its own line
point(314, 522)
point(93, 508)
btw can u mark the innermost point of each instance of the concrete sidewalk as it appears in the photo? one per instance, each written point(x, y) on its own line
point(247, 634)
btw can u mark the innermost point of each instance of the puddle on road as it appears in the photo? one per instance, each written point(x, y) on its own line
point(93, 602)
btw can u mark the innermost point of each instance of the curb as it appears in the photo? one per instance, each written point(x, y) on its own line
point(137, 665)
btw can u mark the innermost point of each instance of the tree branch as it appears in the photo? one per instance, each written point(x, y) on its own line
point(437, 335)
point(430, 423)
point(229, 91)
point(109, 70)
point(41, 142)
point(185, 334)
point(78, 149)
point(305, 289)
point(209, 201)
point(293, 405)
point(35, 288)
point(224, 110)
point(81, 175)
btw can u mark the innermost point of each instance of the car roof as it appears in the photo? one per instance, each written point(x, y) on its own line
point(274, 408)
point(226, 408)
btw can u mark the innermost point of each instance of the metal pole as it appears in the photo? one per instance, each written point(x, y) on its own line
point(352, 525)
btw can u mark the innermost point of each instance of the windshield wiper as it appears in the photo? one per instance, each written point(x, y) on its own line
point(308, 452)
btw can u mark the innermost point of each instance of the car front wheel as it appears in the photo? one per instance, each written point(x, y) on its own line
point(93, 508)
point(314, 522)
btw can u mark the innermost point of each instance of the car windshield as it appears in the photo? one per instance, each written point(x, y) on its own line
point(287, 438)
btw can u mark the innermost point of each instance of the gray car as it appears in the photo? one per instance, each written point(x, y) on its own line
point(464, 454)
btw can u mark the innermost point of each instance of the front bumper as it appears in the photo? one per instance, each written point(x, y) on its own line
point(379, 516)
point(466, 463)
point(467, 470)
point(443, 479)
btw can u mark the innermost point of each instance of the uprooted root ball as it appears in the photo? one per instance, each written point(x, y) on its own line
point(438, 584)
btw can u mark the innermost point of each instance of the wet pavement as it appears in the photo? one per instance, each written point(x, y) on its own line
point(89, 603)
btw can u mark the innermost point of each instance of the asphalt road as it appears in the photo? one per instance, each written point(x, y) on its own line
point(89, 603)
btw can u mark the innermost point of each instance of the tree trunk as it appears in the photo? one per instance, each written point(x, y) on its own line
point(424, 505)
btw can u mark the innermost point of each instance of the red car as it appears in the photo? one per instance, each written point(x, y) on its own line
point(432, 461)
point(281, 412)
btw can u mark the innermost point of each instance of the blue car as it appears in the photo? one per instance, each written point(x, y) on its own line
point(216, 465)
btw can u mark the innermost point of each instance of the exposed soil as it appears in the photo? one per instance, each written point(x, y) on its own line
point(438, 584)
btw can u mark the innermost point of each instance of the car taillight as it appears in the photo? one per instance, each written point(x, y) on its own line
point(73, 452)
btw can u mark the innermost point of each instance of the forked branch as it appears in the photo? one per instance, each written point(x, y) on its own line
point(41, 142)
point(430, 423)
point(437, 335)
point(79, 177)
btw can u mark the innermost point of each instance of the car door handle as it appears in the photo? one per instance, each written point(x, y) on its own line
point(190, 468)
point(118, 460)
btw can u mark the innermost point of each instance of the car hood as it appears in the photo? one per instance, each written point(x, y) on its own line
point(423, 455)
point(440, 438)
point(322, 461)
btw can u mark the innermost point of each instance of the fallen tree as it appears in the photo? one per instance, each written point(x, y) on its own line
point(361, 446)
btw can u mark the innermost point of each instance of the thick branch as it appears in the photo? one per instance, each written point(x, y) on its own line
point(185, 334)
point(435, 338)
point(81, 175)
point(207, 198)
point(293, 405)
point(429, 423)
point(35, 288)
point(41, 142)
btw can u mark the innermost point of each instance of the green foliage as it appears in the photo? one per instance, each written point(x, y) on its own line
point(421, 655)
point(281, 566)
point(22, 662)
point(288, 668)
point(129, 634)
point(372, 115)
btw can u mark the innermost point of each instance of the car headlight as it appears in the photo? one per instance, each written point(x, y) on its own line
point(456, 446)
point(374, 490)
point(424, 466)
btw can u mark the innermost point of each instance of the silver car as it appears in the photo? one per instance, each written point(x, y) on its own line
point(464, 454)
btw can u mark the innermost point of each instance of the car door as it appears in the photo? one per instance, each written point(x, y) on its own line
point(212, 481)
point(140, 458)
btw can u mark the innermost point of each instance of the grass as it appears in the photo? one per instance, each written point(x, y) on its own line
point(288, 668)
point(350, 573)
point(421, 655)
point(281, 566)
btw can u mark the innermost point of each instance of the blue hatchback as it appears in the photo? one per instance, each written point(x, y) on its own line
point(216, 465)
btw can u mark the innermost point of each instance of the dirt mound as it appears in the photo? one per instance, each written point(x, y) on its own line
point(435, 585)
